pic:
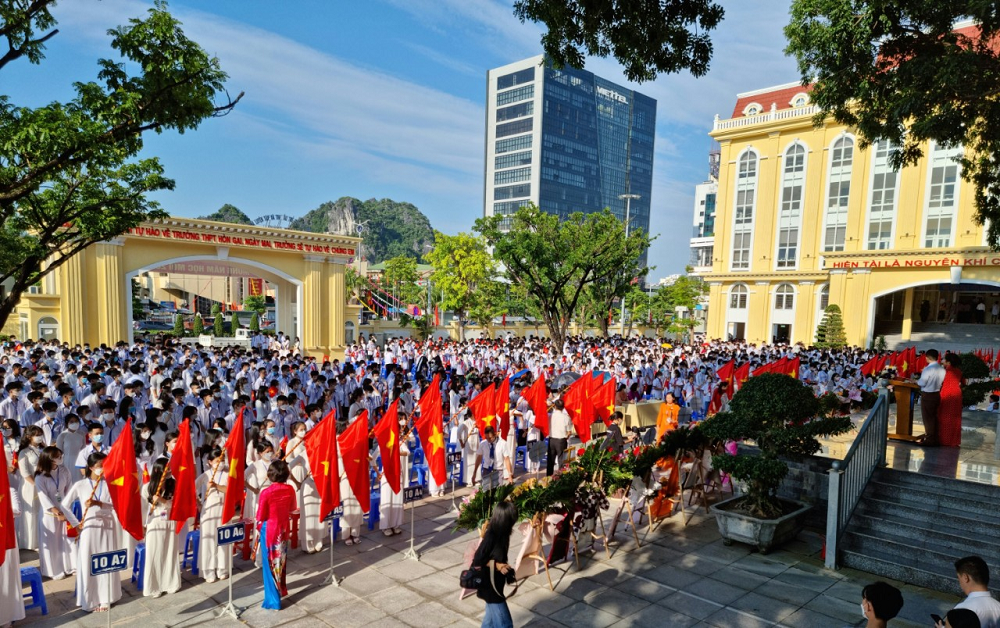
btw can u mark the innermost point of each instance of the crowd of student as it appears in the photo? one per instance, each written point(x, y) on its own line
point(66, 406)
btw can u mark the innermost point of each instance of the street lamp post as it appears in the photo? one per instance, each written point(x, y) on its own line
point(628, 219)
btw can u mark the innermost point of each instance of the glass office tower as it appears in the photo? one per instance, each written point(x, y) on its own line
point(568, 141)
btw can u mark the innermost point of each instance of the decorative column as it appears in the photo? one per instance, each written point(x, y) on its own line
point(112, 323)
point(72, 316)
point(907, 315)
point(806, 312)
point(313, 305)
point(337, 299)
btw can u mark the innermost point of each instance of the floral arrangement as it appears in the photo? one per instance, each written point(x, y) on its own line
point(590, 478)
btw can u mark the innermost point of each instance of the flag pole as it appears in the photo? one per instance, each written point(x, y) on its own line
point(331, 578)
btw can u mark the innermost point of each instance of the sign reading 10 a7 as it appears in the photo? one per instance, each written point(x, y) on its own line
point(108, 562)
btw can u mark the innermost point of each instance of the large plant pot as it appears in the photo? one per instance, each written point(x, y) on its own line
point(765, 534)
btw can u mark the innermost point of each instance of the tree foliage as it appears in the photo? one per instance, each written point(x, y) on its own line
point(229, 213)
point(648, 37)
point(218, 328)
point(899, 71)
point(554, 260)
point(659, 309)
point(255, 322)
point(782, 417)
point(255, 303)
point(600, 296)
point(198, 325)
point(401, 275)
point(830, 332)
point(464, 272)
point(70, 174)
point(178, 325)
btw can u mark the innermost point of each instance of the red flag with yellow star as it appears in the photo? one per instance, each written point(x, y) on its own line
point(354, 452)
point(430, 427)
point(537, 396)
point(502, 400)
point(604, 400)
point(236, 454)
point(122, 476)
point(182, 469)
point(321, 450)
point(386, 432)
point(580, 407)
point(8, 535)
point(484, 410)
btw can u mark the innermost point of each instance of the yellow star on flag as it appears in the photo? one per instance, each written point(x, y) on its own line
point(119, 482)
point(326, 467)
point(488, 419)
point(436, 440)
point(232, 468)
point(392, 440)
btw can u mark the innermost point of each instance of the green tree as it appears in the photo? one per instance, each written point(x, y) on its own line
point(229, 213)
point(491, 301)
point(217, 324)
point(830, 332)
point(601, 296)
point(71, 174)
point(255, 303)
point(198, 326)
point(462, 269)
point(554, 260)
point(138, 313)
point(899, 71)
point(400, 276)
point(179, 326)
point(647, 37)
point(255, 322)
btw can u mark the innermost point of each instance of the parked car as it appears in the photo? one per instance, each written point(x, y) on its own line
point(151, 326)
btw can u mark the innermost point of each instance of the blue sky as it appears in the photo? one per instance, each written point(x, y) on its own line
point(385, 98)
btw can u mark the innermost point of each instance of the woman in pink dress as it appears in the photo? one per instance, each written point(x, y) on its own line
point(950, 410)
point(276, 504)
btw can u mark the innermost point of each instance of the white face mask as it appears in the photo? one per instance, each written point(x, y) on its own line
point(37, 440)
point(267, 457)
point(300, 434)
point(73, 427)
point(50, 415)
point(144, 435)
point(98, 471)
point(5, 431)
point(864, 613)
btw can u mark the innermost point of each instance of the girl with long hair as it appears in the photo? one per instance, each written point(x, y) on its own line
point(52, 482)
point(273, 510)
point(162, 572)
point(29, 451)
point(98, 534)
point(491, 556)
point(212, 486)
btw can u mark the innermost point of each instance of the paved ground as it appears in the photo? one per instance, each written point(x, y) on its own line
point(681, 576)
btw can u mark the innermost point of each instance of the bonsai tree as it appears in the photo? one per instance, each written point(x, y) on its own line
point(197, 327)
point(978, 383)
point(830, 331)
point(783, 418)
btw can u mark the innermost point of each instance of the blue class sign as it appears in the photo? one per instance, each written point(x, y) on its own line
point(229, 534)
point(412, 493)
point(108, 562)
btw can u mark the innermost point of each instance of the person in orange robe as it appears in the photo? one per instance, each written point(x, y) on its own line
point(665, 472)
point(950, 410)
point(666, 419)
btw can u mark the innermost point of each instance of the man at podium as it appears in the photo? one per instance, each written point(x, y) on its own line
point(931, 379)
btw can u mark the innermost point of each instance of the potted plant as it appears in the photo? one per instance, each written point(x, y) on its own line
point(783, 418)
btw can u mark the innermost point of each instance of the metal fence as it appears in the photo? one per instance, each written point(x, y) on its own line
point(849, 477)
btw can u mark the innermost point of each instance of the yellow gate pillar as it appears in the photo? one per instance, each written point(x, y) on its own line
point(73, 317)
point(907, 315)
point(337, 315)
point(112, 323)
point(313, 308)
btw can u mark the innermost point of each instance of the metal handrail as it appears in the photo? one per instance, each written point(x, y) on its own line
point(850, 476)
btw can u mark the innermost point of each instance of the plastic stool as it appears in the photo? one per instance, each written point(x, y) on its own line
point(139, 565)
point(521, 456)
point(373, 513)
point(294, 525)
point(192, 545)
point(32, 577)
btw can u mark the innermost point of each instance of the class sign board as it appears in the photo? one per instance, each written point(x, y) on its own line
point(108, 562)
point(455, 458)
point(336, 513)
point(412, 494)
point(229, 534)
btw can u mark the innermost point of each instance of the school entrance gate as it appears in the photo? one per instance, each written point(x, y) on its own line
point(88, 299)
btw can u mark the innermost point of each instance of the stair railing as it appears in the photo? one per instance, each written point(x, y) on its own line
point(850, 476)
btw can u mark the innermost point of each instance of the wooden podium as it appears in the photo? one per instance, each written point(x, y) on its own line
point(906, 393)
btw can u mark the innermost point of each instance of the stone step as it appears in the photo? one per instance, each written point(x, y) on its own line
point(884, 565)
point(940, 539)
point(902, 560)
point(919, 516)
point(944, 504)
point(936, 484)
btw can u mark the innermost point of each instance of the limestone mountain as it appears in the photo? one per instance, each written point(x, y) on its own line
point(229, 213)
point(390, 228)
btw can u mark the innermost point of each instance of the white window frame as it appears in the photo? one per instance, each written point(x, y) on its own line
point(842, 175)
point(939, 157)
point(805, 100)
point(779, 292)
point(752, 184)
point(871, 190)
point(793, 222)
point(753, 109)
point(745, 294)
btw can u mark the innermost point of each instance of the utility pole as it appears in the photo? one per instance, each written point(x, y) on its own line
point(628, 219)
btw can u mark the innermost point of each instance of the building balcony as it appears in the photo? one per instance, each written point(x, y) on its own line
point(768, 117)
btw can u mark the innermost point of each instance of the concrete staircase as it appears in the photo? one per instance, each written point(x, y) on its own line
point(954, 337)
point(912, 528)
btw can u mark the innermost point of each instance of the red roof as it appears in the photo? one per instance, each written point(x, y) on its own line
point(780, 96)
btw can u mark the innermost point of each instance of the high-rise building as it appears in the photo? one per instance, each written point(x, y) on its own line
point(568, 141)
point(703, 234)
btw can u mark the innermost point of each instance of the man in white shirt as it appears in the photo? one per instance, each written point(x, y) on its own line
point(974, 579)
point(492, 458)
point(560, 427)
point(930, 382)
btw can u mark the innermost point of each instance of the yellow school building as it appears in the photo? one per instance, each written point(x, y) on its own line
point(806, 218)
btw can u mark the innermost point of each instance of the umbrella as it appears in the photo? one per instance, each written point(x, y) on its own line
point(519, 374)
point(563, 380)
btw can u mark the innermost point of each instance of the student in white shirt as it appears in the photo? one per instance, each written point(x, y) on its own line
point(492, 460)
point(974, 580)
